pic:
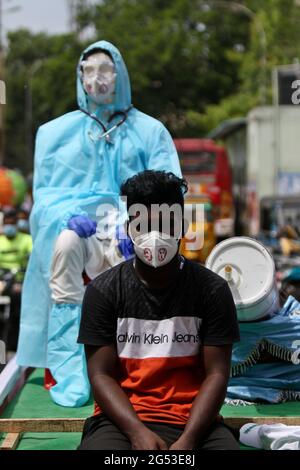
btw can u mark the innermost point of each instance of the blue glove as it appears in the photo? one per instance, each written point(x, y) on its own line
point(82, 225)
point(125, 244)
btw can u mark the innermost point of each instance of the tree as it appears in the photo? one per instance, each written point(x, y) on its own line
point(41, 85)
point(192, 63)
point(280, 22)
point(182, 55)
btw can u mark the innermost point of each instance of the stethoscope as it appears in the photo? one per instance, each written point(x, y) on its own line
point(107, 132)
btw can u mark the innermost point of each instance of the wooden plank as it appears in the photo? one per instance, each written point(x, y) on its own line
point(11, 441)
point(76, 424)
point(42, 425)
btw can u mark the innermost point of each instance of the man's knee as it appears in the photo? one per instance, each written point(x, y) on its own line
point(220, 437)
point(68, 245)
point(67, 266)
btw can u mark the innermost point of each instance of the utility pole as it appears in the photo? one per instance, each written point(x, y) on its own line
point(75, 7)
point(29, 107)
point(237, 8)
point(2, 82)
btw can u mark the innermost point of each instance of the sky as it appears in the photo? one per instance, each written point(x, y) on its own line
point(51, 16)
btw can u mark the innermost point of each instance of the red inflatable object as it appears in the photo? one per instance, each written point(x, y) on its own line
point(7, 191)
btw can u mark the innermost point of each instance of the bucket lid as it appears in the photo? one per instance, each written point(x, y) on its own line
point(247, 266)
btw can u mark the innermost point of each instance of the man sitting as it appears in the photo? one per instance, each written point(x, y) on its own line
point(158, 333)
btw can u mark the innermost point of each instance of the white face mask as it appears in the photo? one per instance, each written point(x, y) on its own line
point(99, 78)
point(155, 249)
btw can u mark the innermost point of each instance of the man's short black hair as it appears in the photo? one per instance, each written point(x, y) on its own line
point(154, 187)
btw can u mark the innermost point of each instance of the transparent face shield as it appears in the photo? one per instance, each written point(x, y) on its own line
point(99, 78)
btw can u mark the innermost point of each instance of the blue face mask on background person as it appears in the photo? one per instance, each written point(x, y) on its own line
point(10, 230)
point(23, 225)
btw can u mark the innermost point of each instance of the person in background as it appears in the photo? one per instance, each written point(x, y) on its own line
point(23, 221)
point(15, 249)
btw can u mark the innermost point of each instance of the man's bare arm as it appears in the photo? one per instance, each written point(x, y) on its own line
point(216, 361)
point(102, 368)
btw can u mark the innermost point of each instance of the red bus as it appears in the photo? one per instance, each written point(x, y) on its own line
point(205, 166)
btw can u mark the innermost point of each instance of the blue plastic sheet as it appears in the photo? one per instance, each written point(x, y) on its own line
point(271, 382)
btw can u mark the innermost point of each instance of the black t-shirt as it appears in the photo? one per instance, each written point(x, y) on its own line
point(158, 333)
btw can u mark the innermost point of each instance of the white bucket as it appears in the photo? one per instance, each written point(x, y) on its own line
point(250, 272)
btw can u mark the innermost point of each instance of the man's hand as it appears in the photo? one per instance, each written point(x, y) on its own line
point(183, 443)
point(125, 243)
point(147, 440)
point(216, 365)
point(102, 368)
point(82, 225)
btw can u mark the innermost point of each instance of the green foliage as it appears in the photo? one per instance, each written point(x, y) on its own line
point(181, 54)
point(192, 63)
point(40, 75)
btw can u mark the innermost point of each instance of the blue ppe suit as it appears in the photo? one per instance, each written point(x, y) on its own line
point(271, 382)
point(75, 171)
